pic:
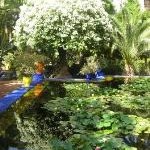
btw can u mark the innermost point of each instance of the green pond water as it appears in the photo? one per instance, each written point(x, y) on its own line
point(26, 106)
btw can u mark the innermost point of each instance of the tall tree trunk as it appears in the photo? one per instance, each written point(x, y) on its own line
point(76, 67)
point(128, 71)
point(63, 71)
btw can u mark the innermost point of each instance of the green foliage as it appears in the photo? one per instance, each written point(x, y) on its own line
point(138, 87)
point(9, 10)
point(146, 14)
point(24, 62)
point(75, 25)
point(131, 34)
point(56, 144)
point(143, 66)
point(91, 66)
point(81, 90)
point(111, 66)
point(133, 98)
point(31, 133)
point(8, 61)
point(109, 6)
point(11, 4)
point(98, 120)
point(87, 117)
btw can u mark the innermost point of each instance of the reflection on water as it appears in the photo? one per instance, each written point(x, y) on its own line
point(9, 134)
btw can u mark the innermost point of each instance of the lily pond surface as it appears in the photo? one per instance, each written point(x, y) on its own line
point(77, 116)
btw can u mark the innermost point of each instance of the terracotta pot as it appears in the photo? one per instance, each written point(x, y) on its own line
point(39, 67)
point(38, 89)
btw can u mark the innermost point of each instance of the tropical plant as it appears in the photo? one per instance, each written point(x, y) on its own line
point(97, 116)
point(24, 62)
point(31, 133)
point(9, 11)
point(91, 66)
point(63, 29)
point(88, 117)
point(108, 5)
point(131, 34)
point(8, 61)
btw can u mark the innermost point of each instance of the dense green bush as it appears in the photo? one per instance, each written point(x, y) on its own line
point(24, 62)
point(138, 86)
point(90, 116)
point(93, 116)
point(55, 26)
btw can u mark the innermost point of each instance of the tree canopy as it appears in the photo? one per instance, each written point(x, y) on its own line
point(9, 10)
point(74, 25)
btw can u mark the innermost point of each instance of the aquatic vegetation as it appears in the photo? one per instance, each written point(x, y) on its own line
point(103, 117)
point(89, 116)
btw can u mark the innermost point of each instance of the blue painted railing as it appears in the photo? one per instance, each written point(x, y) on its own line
point(11, 98)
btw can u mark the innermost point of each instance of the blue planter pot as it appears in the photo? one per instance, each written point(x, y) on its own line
point(37, 78)
point(90, 76)
point(99, 74)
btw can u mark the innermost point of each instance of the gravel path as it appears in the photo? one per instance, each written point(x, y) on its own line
point(8, 86)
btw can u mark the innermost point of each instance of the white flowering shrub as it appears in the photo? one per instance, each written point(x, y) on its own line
point(73, 24)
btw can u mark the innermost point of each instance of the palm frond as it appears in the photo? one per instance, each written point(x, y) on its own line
point(131, 33)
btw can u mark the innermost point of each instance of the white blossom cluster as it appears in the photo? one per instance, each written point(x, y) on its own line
point(74, 24)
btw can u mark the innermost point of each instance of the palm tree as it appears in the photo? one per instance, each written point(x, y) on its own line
point(131, 35)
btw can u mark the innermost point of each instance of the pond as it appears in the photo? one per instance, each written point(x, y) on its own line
point(77, 115)
point(9, 134)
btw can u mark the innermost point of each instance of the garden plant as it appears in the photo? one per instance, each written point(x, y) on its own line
point(73, 38)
